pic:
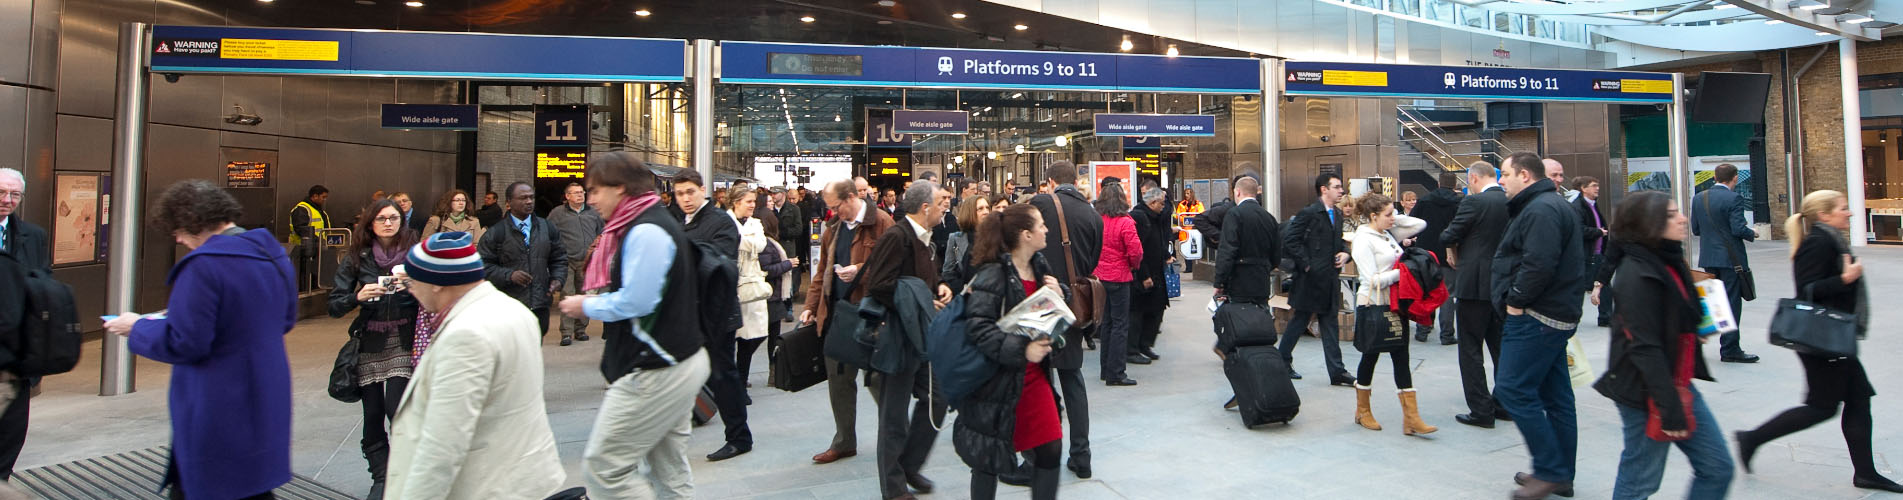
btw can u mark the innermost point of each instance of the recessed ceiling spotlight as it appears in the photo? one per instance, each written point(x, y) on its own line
point(413, 3)
point(1725, 6)
point(958, 15)
point(1126, 46)
point(1021, 27)
point(806, 19)
point(1774, 21)
point(887, 3)
point(643, 13)
point(366, 2)
point(884, 22)
point(1820, 33)
point(1172, 52)
point(264, 1)
point(1855, 18)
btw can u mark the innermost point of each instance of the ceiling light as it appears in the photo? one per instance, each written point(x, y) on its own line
point(1820, 33)
point(1854, 18)
point(958, 15)
point(1126, 46)
point(264, 1)
point(1061, 141)
point(806, 19)
point(642, 13)
point(1774, 21)
point(1021, 27)
point(991, 155)
point(887, 3)
point(835, 118)
point(1172, 52)
point(1725, 6)
point(366, 2)
point(413, 3)
point(1019, 148)
point(1809, 4)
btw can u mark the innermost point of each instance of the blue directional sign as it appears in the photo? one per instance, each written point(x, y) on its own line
point(430, 116)
point(1464, 82)
point(922, 67)
point(222, 49)
point(913, 121)
point(1125, 124)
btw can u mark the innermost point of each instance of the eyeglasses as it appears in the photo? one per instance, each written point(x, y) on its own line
point(17, 195)
point(388, 219)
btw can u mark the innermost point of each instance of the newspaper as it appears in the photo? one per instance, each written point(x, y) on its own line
point(1041, 314)
point(1718, 315)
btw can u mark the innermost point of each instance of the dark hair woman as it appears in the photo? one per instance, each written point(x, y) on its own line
point(1654, 354)
point(233, 298)
point(957, 268)
point(1826, 273)
point(454, 212)
point(386, 328)
point(1121, 255)
point(1377, 246)
point(1016, 410)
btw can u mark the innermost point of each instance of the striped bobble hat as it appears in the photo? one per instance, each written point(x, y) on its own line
point(445, 259)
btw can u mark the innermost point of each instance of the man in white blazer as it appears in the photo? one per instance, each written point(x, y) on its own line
point(473, 424)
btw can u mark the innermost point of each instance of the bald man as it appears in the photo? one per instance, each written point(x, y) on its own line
point(1557, 173)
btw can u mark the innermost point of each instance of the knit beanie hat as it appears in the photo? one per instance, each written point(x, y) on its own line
point(445, 259)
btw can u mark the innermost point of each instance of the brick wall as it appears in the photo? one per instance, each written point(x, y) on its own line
point(1525, 140)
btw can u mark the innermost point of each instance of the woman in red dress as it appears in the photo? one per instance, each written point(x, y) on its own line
point(1016, 410)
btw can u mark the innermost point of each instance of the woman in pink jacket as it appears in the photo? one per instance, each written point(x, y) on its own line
point(1122, 253)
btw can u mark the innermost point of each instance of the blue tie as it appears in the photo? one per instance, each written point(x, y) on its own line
point(524, 226)
point(1331, 217)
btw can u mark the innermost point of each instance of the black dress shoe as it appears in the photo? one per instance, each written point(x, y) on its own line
point(726, 452)
point(1469, 419)
point(1079, 466)
point(1020, 476)
point(1741, 358)
point(1149, 353)
point(1499, 414)
point(1564, 490)
point(1449, 340)
point(1125, 381)
point(1294, 375)
point(1136, 359)
point(918, 482)
point(567, 341)
point(581, 337)
point(1877, 483)
point(1342, 381)
point(1090, 344)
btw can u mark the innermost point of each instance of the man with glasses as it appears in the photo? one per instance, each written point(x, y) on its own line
point(522, 255)
point(845, 244)
point(26, 244)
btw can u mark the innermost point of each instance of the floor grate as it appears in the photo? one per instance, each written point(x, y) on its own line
point(134, 475)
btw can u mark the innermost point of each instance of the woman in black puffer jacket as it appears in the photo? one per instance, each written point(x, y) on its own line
point(1016, 410)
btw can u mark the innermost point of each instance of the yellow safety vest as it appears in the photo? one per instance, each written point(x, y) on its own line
point(317, 221)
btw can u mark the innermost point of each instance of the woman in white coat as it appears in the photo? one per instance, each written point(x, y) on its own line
point(754, 289)
point(1377, 246)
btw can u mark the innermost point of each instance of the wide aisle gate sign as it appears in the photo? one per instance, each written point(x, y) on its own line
point(924, 67)
point(219, 49)
point(1485, 83)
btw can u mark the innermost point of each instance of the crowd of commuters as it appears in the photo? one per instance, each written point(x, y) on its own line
point(688, 280)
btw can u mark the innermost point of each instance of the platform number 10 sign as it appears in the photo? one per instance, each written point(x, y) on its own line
point(561, 126)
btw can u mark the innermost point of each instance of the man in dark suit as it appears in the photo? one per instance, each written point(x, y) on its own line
point(1152, 218)
point(907, 407)
point(1471, 238)
point(705, 221)
point(1242, 273)
point(1438, 208)
point(1718, 221)
point(27, 245)
point(1593, 219)
point(1313, 242)
point(1086, 243)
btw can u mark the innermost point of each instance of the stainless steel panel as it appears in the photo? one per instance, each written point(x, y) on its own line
point(303, 105)
point(38, 144)
point(1216, 23)
point(193, 101)
point(1545, 56)
point(381, 92)
point(1557, 135)
point(174, 154)
point(78, 145)
point(89, 35)
point(1082, 10)
point(181, 13)
point(1591, 125)
point(89, 292)
point(248, 141)
point(346, 173)
point(12, 123)
point(257, 95)
point(16, 33)
point(1259, 21)
point(1296, 29)
point(44, 56)
point(1173, 18)
point(1423, 44)
point(1384, 39)
point(301, 164)
point(1245, 123)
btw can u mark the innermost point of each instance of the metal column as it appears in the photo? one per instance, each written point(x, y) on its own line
point(1681, 154)
point(1853, 142)
point(1272, 135)
point(128, 173)
point(704, 69)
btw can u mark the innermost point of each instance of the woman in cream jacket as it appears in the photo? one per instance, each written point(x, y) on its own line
point(1377, 246)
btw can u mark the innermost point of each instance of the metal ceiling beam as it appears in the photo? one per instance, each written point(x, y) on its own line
point(1782, 10)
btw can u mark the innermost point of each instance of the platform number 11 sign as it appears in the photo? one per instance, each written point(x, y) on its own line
point(561, 126)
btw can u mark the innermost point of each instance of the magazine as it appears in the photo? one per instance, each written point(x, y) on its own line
point(1041, 315)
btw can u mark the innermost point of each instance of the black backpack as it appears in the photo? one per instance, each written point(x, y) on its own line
point(48, 340)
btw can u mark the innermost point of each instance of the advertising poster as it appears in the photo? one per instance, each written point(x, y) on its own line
point(1099, 170)
point(75, 218)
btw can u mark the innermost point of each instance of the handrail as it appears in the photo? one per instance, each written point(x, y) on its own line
point(1413, 121)
point(1431, 143)
point(1423, 123)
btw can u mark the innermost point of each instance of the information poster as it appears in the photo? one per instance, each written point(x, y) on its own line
point(1126, 170)
point(75, 218)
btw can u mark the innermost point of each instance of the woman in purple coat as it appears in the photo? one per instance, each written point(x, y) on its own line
point(233, 299)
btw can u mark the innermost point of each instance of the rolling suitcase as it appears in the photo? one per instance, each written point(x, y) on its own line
point(704, 408)
point(1240, 324)
point(1264, 393)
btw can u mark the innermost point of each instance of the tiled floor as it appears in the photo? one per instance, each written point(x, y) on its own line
point(1167, 438)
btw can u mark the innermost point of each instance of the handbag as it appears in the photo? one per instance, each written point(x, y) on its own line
point(1172, 281)
point(843, 343)
point(1087, 295)
point(799, 361)
point(343, 373)
point(755, 289)
point(1810, 328)
point(1577, 367)
point(1747, 284)
point(1378, 329)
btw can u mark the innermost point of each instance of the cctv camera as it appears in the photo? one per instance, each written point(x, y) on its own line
point(1324, 138)
point(172, 77)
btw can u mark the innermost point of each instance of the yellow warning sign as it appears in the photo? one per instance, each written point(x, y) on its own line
point(279, 50)
point(1645, 86)
point(1355, 78)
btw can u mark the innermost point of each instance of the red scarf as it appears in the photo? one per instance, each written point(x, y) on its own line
point(601, 264)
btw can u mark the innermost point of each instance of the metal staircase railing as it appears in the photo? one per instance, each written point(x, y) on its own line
point(1450, 155)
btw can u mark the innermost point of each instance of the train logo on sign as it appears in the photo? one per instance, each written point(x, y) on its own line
point(944, 65)
point(1448, 79)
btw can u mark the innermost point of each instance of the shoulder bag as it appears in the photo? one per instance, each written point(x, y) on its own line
point(1810, 328)
point(343, 372)
point(1747, 284)
point(1087, 295)
point(1378, 329)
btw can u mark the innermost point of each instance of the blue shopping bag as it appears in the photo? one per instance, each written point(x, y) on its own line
point(1172, 281)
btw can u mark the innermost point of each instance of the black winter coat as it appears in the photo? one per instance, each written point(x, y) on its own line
point(988, 418)
point(1437, 209)
point(1311, 242)
point(544, 258)
point(713, 225)
point(356, 270)
point(1086, 245)
point(1475, 234)
point(29, 245)
point(1652, 314)
point(1153, 231)
point(1209, 223)
point(1591, 231)
point(1541, 264)
point(1242, 270)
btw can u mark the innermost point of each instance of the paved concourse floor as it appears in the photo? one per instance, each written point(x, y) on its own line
point(1167, 438)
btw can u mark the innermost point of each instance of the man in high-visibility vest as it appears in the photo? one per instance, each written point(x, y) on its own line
point(307, 219)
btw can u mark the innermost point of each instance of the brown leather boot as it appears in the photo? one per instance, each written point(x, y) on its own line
point(1411, 423)
point(1363, 415)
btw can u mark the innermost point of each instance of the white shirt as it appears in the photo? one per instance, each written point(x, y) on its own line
point(924, 233)
point(856, 221)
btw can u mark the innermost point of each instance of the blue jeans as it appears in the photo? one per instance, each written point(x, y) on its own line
point(1532, 384)
point(1642, 464)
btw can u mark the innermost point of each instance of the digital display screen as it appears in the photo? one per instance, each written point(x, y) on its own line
point(560, 164)
point(247, 174)
point(815, 64)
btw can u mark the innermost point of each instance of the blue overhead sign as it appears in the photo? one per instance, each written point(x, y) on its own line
point(430, 116)
point(912, 121)
point(852, 65)
point(1125, 124)
point(1465, 82)
point(219, 49)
